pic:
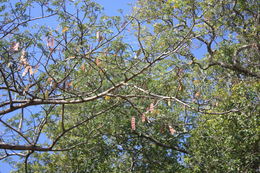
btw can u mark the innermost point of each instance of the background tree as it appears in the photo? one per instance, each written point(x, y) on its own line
point(173, 87)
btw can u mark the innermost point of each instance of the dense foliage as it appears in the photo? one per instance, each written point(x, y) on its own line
point(172, 87)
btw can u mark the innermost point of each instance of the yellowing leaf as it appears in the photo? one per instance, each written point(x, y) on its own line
point(50, 42)
point(143, 117)
point(54, 85)
point(133, 123)
point(162, 130)
point(97, 61)
point(196, 82)
point(156, 111)
point(169, 102)
point(15, 46)
point(151, 109)
point(83, 67)
point(65, 29)
point(181, 88)
point(107, 97)
point(30, 70)
point(172, 130)
point(197, 94)
point(69, 84)
point(49, 80)
point(46, 94)
point(71, 57)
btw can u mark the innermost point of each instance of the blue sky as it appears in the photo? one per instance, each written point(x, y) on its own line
point(110, 8)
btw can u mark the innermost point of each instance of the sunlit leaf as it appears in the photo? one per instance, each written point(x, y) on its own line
point(26, 70)
point(99, 36)
point(23, 59)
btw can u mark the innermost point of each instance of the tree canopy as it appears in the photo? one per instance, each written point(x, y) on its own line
point(174, 86)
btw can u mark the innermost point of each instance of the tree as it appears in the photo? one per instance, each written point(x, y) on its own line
point(173, 87)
